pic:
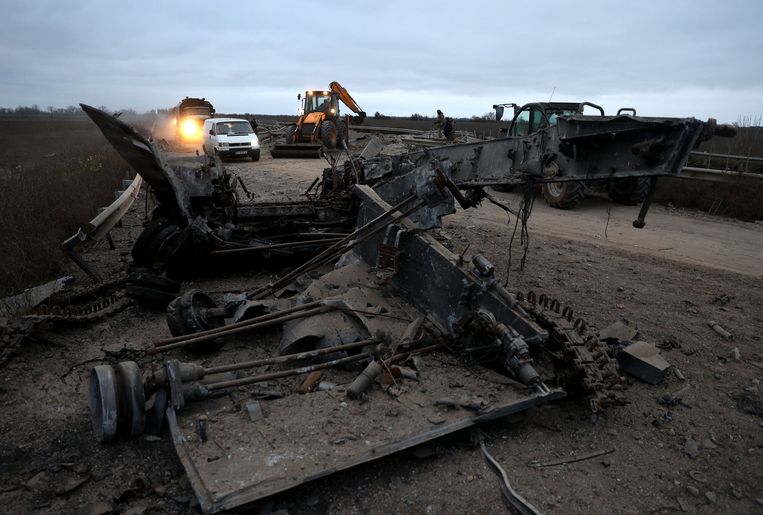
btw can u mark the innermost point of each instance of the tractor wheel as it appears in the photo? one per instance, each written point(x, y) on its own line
point(342, 134)
point(563, 195)
point(629, 191)
point(289, 133)
point(328, 134)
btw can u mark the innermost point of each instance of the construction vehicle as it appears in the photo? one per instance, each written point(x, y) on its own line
point(320, 124)
point(188, 118)
point(533, 117)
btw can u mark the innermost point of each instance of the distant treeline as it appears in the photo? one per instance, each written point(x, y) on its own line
point(70, 110)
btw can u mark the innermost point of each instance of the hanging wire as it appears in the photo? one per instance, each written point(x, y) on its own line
point(523, 216)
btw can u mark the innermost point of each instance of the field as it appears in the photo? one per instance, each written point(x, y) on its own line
point(55, 172)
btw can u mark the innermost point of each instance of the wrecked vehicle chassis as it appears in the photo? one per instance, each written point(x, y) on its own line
point(530, 344)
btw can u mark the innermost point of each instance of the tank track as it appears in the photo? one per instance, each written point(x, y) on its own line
point(588, 361)
point(80, 306)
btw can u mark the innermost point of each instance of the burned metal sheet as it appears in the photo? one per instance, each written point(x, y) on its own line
point(434, 280)
point(304, 437)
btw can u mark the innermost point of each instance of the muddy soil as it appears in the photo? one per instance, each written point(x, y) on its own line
point(702, 455)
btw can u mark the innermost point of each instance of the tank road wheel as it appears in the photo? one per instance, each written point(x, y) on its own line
point(563, 195)
point(193, 312)
point(131, 399)
point(103, 403)
point(328, 134)
point(629, 191)
point(289, 133)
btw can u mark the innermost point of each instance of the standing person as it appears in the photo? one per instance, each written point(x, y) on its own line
point(439, 123)
point(449, 129)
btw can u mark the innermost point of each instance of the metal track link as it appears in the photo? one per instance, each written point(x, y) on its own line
point(109, 299)
point(573, 343)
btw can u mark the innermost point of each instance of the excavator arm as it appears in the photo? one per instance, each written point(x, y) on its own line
point(347, 99)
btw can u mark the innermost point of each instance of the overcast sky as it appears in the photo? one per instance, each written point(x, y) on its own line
point(666, 58)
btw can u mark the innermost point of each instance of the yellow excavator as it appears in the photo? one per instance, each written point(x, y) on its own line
point(320, 126)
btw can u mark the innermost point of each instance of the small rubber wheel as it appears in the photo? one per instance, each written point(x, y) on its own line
point(103, 403)
point(131, 399)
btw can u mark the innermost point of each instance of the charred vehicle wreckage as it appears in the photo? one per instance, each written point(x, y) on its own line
point(374, 308)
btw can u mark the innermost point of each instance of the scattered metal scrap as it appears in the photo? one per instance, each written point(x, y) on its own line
point(513, 499)
point(529, 349)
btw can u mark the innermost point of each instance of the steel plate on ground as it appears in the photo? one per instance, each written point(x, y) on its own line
point(305, 437)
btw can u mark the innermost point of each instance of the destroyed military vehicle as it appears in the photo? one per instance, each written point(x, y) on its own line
point(537, 116)
point(373, 299)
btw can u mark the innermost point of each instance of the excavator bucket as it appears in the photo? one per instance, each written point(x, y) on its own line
point(297, 150)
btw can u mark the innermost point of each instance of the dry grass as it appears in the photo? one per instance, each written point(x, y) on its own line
point(54, 174)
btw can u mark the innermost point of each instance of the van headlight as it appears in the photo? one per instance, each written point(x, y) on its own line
point(255, 142)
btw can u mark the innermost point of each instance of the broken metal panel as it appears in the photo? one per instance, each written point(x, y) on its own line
point(431, 277)
point(137, 150)
point(304, 437)
point(173, 186)
point(576, 148)
point(643, 360)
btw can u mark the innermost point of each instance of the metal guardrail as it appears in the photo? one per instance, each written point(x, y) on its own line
point(99, 227)
point(722, 176)
point(726, 175)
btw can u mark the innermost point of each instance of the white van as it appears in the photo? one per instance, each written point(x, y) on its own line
point(230, 137)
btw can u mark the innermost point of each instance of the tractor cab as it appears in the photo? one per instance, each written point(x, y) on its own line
point(539, 115)
point(324, 102)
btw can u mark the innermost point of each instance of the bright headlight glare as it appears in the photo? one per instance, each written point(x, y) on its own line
point(189, 129)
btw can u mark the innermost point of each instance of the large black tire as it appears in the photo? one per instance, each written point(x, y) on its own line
point(342, 134)
point(629, 191)
point(563, 195)
point(289, 133)
point(328, 134)
point(163, 245)
point(256, 155)
point(140, 249)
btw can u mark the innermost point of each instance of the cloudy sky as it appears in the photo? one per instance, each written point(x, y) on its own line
point(666, 58)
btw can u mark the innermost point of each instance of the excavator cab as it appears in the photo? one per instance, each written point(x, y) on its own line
point(320, 126)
